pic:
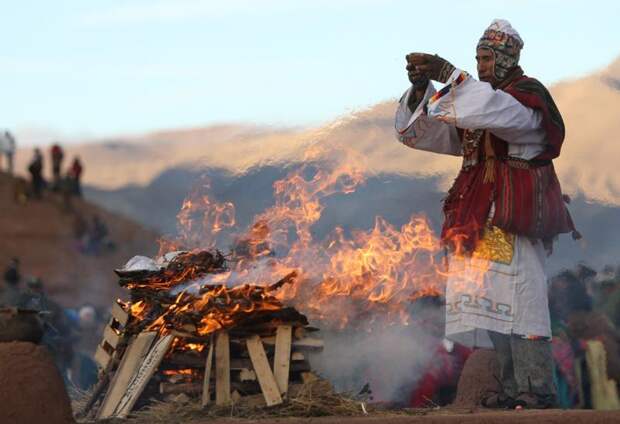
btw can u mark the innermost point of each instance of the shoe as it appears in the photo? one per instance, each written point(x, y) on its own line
point(497, 400)
point(528, 400)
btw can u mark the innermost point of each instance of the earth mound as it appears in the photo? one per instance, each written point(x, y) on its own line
point(31, 388)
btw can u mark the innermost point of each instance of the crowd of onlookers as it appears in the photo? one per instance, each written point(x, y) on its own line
point(67, 182)
point(585, 306)
point(91, 236)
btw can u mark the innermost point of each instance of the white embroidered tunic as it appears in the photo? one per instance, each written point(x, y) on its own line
point(509, 298)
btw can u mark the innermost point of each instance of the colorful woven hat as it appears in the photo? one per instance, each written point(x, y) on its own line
point(506, 44)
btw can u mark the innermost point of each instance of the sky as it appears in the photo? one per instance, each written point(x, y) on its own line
point(79, 70)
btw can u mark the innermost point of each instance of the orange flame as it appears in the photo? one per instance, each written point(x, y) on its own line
point(370, 275)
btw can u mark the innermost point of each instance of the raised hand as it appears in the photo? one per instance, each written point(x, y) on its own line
point(432, 66)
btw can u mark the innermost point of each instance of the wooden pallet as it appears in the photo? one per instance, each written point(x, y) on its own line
point(266, 366)
point(112, 335)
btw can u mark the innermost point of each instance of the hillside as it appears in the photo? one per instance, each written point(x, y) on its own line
point(40, 234)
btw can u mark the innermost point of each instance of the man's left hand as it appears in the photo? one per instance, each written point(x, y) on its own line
point(433, 66)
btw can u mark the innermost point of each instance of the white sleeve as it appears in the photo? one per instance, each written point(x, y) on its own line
point(468, 103)
point(419, 131)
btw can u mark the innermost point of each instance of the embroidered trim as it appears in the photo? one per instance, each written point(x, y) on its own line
point(496, 245)
point(445, 90)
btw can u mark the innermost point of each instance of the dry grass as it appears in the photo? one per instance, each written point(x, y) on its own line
point(314, 399)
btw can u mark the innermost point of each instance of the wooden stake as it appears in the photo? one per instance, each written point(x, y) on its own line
point(206, 394)
point(133, 357)
point(222, 369)
point(265, 377)
point(141, 378)
point(282, 357)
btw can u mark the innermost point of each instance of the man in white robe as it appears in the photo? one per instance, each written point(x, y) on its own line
point(496, 292)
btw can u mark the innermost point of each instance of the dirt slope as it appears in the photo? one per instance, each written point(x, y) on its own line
point(40, 234)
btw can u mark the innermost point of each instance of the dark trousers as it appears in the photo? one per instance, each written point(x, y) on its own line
point(526, 366)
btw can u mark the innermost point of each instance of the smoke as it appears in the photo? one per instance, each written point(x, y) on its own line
point(391, 359)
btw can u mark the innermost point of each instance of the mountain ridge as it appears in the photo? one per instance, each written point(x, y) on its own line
point(589, 105)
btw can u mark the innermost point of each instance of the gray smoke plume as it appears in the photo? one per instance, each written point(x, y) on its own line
point(390, 359)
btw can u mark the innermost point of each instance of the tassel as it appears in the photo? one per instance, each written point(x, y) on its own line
point(489, 164)
point(489, 170)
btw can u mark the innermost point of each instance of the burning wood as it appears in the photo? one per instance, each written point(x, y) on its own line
point(165, 341)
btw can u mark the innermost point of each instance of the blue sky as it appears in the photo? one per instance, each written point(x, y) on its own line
point(94, 68)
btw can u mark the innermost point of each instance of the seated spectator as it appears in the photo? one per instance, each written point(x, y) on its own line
point(11, 294)
point(97, 240)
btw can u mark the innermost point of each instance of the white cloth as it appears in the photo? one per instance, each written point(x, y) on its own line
point(508, 299)
point(504, 298)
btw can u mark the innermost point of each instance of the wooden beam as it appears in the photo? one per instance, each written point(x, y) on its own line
point(206, 393)
point(282, 357)
point(130, 362)
point(102, 358)
point(143, 375)
point(111, 336)
point(265, 377)
point(119, 314)
point(307, 343)
point(222, 369)
point(187, 388)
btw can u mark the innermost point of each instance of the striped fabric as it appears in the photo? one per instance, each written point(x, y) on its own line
point(446, 89)
point(527, 194)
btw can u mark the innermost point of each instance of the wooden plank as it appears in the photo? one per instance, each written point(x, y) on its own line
point(102, 358)
point(119, 314)
point(265, 377)
point(131, 360)
point(142, 377)
point(307, 343)
point(222, 369)
point(111, 336)
point(187, 388)
point(206, 394)
point(282, 357)
point(297, 356)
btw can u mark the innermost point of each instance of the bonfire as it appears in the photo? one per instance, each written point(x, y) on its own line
point(245, 315)
point(164, 343)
